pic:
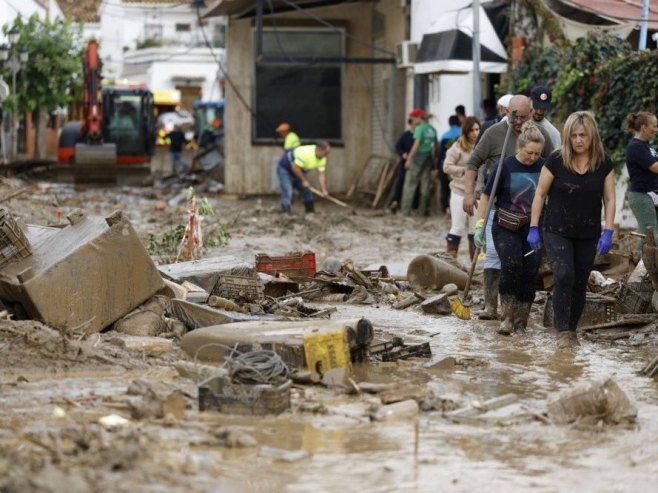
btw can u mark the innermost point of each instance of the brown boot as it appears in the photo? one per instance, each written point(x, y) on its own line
point(508, 303)
point(521, 317)
point(567, 339)
point(491, 282)
point(471, 246)
point(452, 244)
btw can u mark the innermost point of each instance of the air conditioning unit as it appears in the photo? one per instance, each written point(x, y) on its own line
point(405, 54)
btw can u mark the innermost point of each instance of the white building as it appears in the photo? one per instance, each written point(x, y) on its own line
point(157, 42)
point(10, 9)
point(441, 33)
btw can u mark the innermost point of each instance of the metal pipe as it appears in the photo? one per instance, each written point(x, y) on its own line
point(477, 90)
point(642, 45)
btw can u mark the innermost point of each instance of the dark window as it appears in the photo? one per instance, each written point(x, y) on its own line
point(305, 94)
point(183, 28)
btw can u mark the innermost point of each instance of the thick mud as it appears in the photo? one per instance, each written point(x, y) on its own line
point(56, 389)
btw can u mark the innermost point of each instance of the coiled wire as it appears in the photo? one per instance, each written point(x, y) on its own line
point(257, 367)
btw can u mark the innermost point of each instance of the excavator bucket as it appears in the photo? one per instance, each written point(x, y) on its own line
point(95, 164)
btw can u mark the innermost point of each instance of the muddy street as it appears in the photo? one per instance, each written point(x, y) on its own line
point(88, 413)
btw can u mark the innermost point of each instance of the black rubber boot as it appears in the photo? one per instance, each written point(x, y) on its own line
point(508, 304)
point(521, 317)
point(452, 244)
point(285, 209)
point(491, 282)
point(310, 207)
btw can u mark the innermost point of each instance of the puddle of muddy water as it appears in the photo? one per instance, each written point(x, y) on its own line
point(349, 453)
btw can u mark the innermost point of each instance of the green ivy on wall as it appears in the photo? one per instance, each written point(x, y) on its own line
point(601, 73)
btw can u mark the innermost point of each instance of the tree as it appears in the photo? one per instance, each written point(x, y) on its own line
point(55, 62)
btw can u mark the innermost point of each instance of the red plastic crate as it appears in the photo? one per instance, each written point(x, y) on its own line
point(291, 265)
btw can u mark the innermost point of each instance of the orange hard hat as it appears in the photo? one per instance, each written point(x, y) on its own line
point(283, 127)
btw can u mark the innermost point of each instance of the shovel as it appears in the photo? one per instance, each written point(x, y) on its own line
point(459, 307)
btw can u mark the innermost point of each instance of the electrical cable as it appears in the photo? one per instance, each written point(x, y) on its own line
point(257, 367)
point(221, 67)
point(250, 367)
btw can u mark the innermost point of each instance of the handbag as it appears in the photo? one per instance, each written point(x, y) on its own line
point(512, 221)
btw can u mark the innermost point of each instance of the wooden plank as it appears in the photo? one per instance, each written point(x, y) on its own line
point(390, 177)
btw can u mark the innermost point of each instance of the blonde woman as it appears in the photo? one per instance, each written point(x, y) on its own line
point(511, 222)
point(455, 166)
point(576, 180)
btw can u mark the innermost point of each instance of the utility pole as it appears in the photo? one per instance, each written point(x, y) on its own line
point(477, 91)
point(642, 45)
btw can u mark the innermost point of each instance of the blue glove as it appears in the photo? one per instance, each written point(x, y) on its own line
point(478, 233)
point(534, 238)
point(605, 242)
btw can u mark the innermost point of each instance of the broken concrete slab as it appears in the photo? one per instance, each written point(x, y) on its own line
point(83, 277)
point(205, 272)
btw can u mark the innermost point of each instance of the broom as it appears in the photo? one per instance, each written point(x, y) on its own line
point(459, 307)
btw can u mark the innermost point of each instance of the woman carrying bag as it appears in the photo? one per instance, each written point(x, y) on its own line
point(513, 199)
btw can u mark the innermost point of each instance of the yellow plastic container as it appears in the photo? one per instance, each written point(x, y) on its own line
point(326, 350)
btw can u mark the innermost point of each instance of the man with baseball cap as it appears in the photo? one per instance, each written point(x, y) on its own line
point(541, 104)
point(420, 163)
point(290, 138)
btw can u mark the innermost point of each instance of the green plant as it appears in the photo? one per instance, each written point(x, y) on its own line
point(218, 236)
point(166, 244)
point(580, 71)
point(148, 43)
point(540, 64)
point(54, 66)
point(627, 84)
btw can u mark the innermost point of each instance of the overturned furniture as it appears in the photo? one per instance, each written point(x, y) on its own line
point(84, 276)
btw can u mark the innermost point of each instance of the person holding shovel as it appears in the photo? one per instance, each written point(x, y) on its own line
point(511, 223)
point(486, 154)
point(576, 180)
point(293, 168)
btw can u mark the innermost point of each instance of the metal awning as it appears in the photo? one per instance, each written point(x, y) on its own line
point(618, 11)
point(450, 48)
point(452, 51)
point(247, 8)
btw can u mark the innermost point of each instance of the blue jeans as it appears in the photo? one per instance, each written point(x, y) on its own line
point(491, 261)
point(177, 160)
point(288, 181)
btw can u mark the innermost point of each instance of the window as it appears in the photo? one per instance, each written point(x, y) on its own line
point(183, 28)
point(305, 94)
point(219, 36)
